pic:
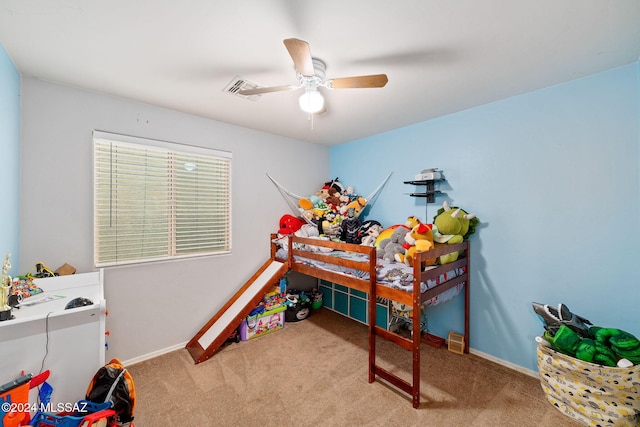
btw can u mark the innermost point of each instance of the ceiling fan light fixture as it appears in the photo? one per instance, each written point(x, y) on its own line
point(311, 101)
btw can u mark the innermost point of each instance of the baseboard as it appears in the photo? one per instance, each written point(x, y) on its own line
point(504, 363)
point(472, 351)
point(154, 354)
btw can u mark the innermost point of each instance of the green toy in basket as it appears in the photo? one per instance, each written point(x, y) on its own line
point(571, 334)
point(568, 342)
point(622, 343)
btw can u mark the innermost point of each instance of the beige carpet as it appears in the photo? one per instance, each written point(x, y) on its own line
point(314, 372)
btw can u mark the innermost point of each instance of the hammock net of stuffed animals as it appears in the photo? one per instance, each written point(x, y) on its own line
point(294, 200)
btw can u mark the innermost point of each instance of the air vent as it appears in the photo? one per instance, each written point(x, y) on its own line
point(238, 84)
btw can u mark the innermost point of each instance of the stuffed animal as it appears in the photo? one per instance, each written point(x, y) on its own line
point(289, 224)
point(419, 239)
point(310, 231)
point(357, 205)
point(335, 184)
point(452, 225)
point(330, 193)
point(329, 224)
point(331, 198)
point(351, 227)
point(412, 221)
point(307, 230)
point(348, 195)
point(390, 248)
point(305, 204)
point(369, 232)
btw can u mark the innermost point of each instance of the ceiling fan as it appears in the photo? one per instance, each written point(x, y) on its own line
point(311, 73)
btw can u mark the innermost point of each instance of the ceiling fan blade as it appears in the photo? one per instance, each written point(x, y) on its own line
point(376, 80)
point(301, 54)
point(260, 90)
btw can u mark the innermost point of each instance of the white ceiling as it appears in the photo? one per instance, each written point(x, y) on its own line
point(440, 56)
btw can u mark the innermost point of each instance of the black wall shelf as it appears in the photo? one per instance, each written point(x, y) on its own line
point(429, 192)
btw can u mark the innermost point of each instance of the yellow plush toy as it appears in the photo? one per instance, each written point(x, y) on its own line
point(412, 221)
point(419, 239)
point(357, 205)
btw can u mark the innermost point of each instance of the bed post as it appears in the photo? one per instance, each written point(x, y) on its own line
point(272, 245)
point(373, 256)
point(467, 297)
point(416, 333)
point(290, 251)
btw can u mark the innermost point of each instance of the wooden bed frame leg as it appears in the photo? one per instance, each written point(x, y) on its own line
point(372, 341)
point(372, 316)
point(467, 300)
point(417, 338)
point(416, 335)
point(372, 357)
point(416, 368)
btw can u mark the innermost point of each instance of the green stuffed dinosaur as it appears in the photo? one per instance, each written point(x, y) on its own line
point(452, 225)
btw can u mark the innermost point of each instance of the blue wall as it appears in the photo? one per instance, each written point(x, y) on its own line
point(9, 160)
point(553, 178)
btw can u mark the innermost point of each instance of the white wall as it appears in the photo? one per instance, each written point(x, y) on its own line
point(152, 306)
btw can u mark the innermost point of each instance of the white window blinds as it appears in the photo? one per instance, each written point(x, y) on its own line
point(157, 201)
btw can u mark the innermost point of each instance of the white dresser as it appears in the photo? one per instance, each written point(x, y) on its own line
point(43, 335)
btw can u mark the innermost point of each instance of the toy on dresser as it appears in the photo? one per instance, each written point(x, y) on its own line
point(5, 288)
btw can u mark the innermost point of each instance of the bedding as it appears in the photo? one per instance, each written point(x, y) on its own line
point(392, 274)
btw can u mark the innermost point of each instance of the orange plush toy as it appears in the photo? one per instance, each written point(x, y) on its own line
point(419, 239)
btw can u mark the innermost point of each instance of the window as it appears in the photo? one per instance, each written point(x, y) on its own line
point(156, 201)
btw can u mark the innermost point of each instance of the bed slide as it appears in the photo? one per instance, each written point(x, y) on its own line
point(217, 330)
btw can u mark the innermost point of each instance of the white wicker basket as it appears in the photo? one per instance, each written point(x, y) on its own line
point(591, 394)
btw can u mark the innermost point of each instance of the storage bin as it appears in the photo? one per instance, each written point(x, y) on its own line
point(317, 299)
point(298, 305)
point(297, 312)
point(263, 323)
point(96, 415)
point(591, 394)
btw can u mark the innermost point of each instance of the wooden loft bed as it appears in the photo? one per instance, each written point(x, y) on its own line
point(365, 263)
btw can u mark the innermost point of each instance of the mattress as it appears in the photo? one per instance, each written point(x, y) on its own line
point(392, 274)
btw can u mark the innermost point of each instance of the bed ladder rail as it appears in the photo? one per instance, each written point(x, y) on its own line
point(403, 342)
point(413, 344)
